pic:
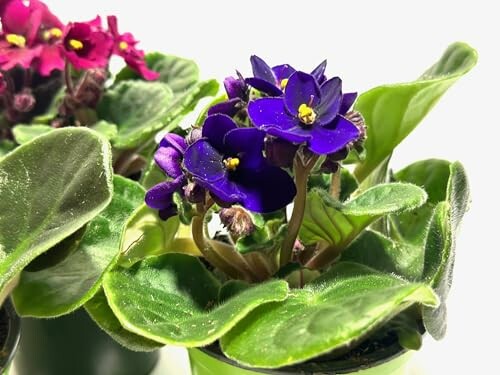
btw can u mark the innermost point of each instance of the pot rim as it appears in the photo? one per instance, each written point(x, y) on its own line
point(13, 334)
point(316, 366)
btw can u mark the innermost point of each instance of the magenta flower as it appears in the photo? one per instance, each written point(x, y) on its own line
point(124, 46)
point(86, 45)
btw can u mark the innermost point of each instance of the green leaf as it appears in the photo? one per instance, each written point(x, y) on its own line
point(137, 108)
point(67, 285)
point(152, 176)
point(179, 73)
point(391, 112)
point(338, 224)
point(173, 299)
point(50, 187)
point(103, 316)
point(25, 133)
point(107, 129)
point(5, 147)
point(335, 311)
point(147, 235)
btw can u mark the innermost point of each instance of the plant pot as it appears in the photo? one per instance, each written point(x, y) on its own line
point(9, 335)
point(392, 361)
point(74, 344)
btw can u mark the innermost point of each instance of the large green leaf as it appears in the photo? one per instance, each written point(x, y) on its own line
point(391, 112)
point(335, 311)
point(173, 299)
point(25, 133)
point(50, 187)
point(5, 147)
point(179, 73)
point(67, 285)
point(338, 224)
point(103, 316)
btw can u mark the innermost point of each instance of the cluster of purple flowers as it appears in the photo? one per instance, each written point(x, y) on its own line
point(34, 38)
point(230, 157)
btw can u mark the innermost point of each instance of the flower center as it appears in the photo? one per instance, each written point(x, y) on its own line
point(75, 44)
point(283, 83)
point(306, 114)
point(231, 163)
point(16, 40)
point(54, 32)
point(123, 46)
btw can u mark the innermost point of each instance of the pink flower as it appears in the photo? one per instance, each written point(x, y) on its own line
point(124, 46)
point(86, 45)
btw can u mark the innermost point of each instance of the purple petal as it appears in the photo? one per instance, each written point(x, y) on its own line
point(266, 190)
point(229, 107)
point(334, 137)
point(331, 98)
point(262, 70)
point(215, 128)
point(175, 141)
point(295, 134)
point(270, 112)
point(223, 189)
point(301, 88)
point(168, 212)
point(348, 100)
point(264, 86)
point(247, 144)
point(282, 72)
point(319, 72)
point(202, 160)
point(235, 87)
point(161, 196)
point(169, 160)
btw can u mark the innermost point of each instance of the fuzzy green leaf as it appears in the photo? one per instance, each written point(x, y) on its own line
point(5, 147)
point(173, 299)
point(25, 133)
point(50, 187)
point(334, 311)
point(391, 112)
point(67, 285)
point(107, 129)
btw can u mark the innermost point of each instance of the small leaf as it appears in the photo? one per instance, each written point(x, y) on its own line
point(391, 112)
point(173, 299)
point(103, 316)
point(67, 285)
point(50, 187)
point(337, 310)
point(25, 133)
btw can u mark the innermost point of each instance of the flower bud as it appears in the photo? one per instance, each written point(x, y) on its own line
point(279, 152)
point(193, 136)
point(89, 90)
point(237, 221)
point(194, 193)
point(235, 87)
point(357, 119)
point(24, 101)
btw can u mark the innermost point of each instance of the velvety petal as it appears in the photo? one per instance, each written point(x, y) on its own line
point(319, 72)
point(331, 98)
point(223, 189)
point(169, 160)
point(161, 196)
point(175, 141)
point(48, 20)
point(301, 88)
point(348, 100)
point(295, 134)
point(229, 107)
point(270, 112)
point(10, 57)
point(235, 87)
point(202, 160)
point(335, 136)
point(168, 212)
point(51, 58)
point(137, 63)
point(247, 144)
point(15, 17)
point(282, 72)
point(262, 70)
point(113, 26)
point(264, 86)
point(266, 190)
point(215, 128)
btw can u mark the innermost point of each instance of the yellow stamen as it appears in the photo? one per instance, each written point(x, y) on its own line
point(123, 45)
point(16, 40)
point(54, 32)
point(283, 83)
point(306, 114)
point(75, 44)
point(231, 163)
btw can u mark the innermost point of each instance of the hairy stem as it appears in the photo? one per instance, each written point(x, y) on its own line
point(67, 78)
point(335, 185)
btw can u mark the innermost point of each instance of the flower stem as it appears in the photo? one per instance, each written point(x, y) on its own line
point(335, 185)
point(302, 171)
point(67, 78)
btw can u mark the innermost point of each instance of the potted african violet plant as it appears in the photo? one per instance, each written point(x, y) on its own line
point(67, 125)
point(348, 281)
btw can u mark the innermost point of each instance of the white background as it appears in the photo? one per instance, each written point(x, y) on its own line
point(368, 43)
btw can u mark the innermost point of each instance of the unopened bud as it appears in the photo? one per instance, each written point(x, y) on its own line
point(235, 87)
point(237, 221)
point(193, 136)
point(89, 90)
point(24, 101)
point(194, 193)
point(279, 152)
point(357, 119)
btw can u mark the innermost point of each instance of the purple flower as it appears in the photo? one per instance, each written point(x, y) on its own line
point(273, 81)
point(237, 93)
point(169, 158)
point(308, 113)
point(228, 161)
